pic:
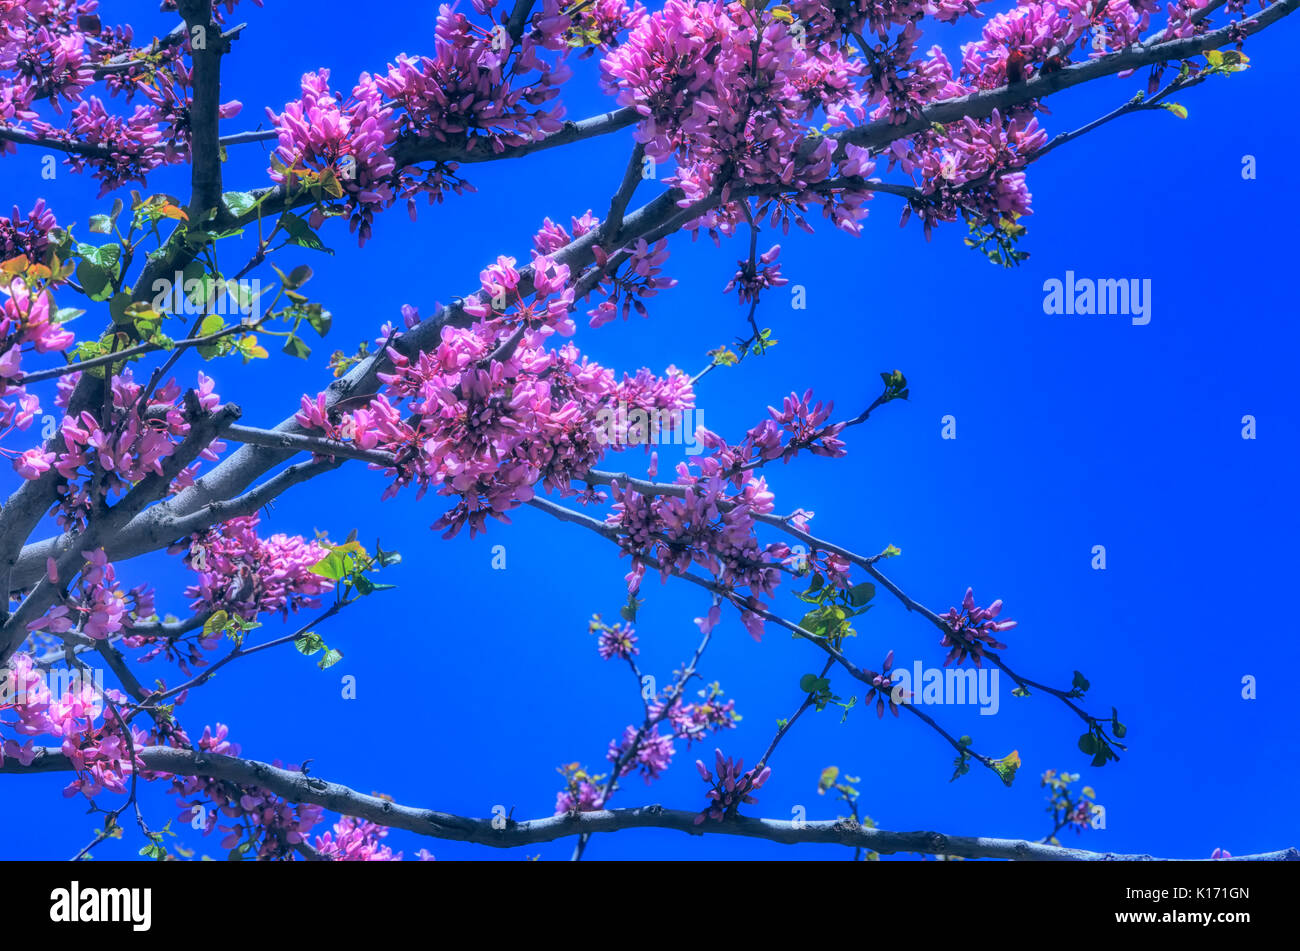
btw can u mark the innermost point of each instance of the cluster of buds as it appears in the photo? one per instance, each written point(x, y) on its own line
point(882, 689)
point(973, 629)
point(730, 789)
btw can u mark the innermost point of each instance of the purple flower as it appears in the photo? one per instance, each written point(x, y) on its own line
point(731, 788)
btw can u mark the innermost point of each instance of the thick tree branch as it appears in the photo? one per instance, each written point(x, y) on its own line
point(206, 48)
point(299, 787)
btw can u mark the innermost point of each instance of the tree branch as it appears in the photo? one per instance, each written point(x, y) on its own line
point(980, 105)
point(300, 787)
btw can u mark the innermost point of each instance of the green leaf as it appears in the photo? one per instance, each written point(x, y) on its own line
point(217, 622)
point(1119, 729)
point(213, 323)
point(961, 766)
point(98, 269)
point(1088, 744)
point(296, 348)
point(895, 382)
point(1080, 682)
point(301, 234)
point(239, 204)
point(105, 256)
point(827, 778)
point(333, 566)
point(201, 288)
point(309, 643)
point(627, 612)
point(97, 281)
point(1178, 110)
point(808, 683)
point(1007, 766)
point(331, 658)
point(320, 319)
point(860, 594)
point(101, 224)
point(814, 621)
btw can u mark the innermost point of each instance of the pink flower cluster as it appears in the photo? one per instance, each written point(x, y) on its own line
point(971, 165)
point(582, 792)
point(349, 138)
point(837, 21)
point(465, 92)
point(26, 321)
point(552, 237)
point(640, 279)
point(686, 721)
point(97, 606)
point(654, 752)
point(245, 574)
point(750, 281)
point(712, 522)
point(29, 236)
point(731, 788)
point(973, 629)
point(707, 526)
point(52, 50)
point(649, 750)
point(270, 825)
point(723, 113)
point(471, 92)
point(358, 840)
point(217, 7)
point(696, 720)
point(731, 94)
point(139, 433)
point(99, 755)
point(618, 641)
point(48, 59)
point(603, 22)
point(487, 427)
point(503, 294)
point(882, 688)
point(263, 825)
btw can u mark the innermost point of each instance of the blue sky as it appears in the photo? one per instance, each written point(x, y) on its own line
point(474, 684)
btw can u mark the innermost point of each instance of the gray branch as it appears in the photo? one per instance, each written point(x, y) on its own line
point(300, 787)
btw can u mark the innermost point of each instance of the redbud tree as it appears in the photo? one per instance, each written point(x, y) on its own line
point(742, 120)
